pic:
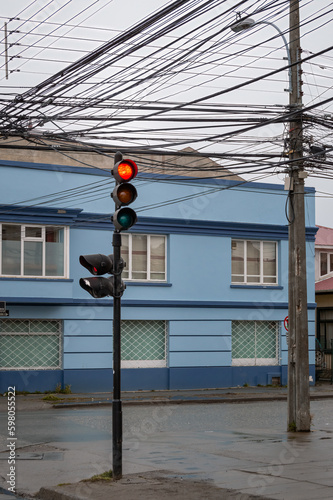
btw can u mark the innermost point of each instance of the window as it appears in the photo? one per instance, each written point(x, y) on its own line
point(144, 256)
point(255, 343)
point(143, 344)
point(37, 251)
point(325, 328)
point(326, 263)
point(30, 344)
point(254, 262)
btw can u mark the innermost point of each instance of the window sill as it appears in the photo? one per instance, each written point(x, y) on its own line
point(19, 278)
point(260, 287)
point(147, 283)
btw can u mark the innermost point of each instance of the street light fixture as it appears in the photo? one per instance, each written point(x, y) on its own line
point(242, 25)
point(248, 23)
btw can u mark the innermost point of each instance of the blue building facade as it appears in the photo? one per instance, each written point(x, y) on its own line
point(206, 276)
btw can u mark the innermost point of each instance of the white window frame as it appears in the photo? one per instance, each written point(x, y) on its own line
point(328, 255)
point(130, 259)
point(25, 238)
point(261, 281)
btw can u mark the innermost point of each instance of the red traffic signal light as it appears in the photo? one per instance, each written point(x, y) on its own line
point(124, 170)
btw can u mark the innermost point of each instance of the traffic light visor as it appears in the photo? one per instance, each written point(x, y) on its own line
point(125, 170)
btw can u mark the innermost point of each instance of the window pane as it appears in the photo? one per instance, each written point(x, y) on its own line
point(326, 314)
point(269, 258)
point(143, 340)
point(33, 258)
point(270, 279)
point(125, 255)
point(255, 343)
point(323, 264)
point(328, 335)
point(331, 262)
point(237, 279)
point(157, 257)
point(21, 351)
point(266, 339)
point(253, 279)
point(20, 348)
point(44, 326)
point(253, 258)
point(33, 232)
point(11, 249)
point(14, 326)
point(237, 261)
point(243, 339)
point(139, 257)
point(54, 251)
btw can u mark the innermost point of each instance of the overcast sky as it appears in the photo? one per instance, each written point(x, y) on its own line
point(112, 17)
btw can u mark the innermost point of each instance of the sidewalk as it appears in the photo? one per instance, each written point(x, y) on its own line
point(191, 396)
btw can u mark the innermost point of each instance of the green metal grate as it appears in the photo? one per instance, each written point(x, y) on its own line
point(30, 344)
point(255, 343)
point(143, 343)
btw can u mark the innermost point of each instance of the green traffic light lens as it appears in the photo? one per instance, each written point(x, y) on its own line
point(124, 218)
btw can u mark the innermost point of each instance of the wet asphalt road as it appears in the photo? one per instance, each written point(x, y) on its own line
point(198, 439)
point(87, 425)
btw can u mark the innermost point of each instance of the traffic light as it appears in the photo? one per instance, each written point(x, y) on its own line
point(98, 286)
point(124, 193)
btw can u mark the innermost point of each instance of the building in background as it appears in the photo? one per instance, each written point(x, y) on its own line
point(206, 275)
point(324, 300)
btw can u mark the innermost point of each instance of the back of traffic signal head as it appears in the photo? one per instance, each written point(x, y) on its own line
point(100, 287)
point(97, 263)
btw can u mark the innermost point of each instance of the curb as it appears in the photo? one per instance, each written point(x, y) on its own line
point(165, 401)
point(48, 494)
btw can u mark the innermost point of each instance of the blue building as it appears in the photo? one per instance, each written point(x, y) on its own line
point(206, 275)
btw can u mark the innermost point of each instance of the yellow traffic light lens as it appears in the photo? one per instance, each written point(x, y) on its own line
point(125, 196)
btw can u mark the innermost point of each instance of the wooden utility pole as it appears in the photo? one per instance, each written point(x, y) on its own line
point(298, 354)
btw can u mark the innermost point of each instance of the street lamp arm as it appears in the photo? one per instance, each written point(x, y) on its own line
point(286, 46)
point(245, 24)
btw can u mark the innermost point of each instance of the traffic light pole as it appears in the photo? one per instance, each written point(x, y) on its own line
point(298, 354)
point(117, 430)
point(124, 193)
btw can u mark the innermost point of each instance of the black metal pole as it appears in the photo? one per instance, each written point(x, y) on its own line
point(117, 427)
